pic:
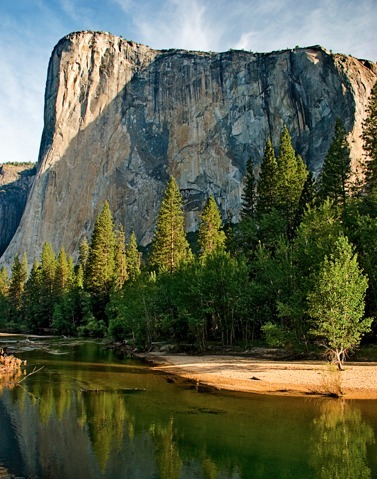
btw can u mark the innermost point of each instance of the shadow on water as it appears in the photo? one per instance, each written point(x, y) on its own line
point(90, 414)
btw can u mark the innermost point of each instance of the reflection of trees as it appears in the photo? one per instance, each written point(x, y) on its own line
point(166, 451)
point(340, 442)
point(9, 380)
point(105, 415)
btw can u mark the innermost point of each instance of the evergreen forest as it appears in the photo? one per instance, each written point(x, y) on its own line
point(299, 270)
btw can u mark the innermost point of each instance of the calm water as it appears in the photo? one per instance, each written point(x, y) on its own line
point(91, 414)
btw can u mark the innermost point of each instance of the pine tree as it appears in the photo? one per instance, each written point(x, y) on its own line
point(32, 299)
point(133, 258)
point(266, 199)
point(249, 193)
point(16, 287)
point(170, 247)
point(83, 253)
point(62, 275)
point(369, 137)
point(4, 292)
point(100, 265)
point(291, 175)
point(47, 278)
point(307, 199)
point(120, 273)
point(211, 236)
point(333, 181)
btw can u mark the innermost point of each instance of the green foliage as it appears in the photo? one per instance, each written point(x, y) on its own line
point(334, 179)
point(249, 197)
point(83, 253)
point(290, 179)
point(211, 235)
point(4, 300)
point(133, 257)
point(16, 289)
point(336, 304)
point(132, 311)
point(47, 283)
point(369, 137)
point(32, 298)
point(277, 336)
point(266, 188)
point(120, 271)
point(169, 246)
point(100, 266)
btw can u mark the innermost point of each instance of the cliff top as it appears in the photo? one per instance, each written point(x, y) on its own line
point(11, 172)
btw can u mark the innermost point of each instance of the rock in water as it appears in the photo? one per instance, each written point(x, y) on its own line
point(121, 117)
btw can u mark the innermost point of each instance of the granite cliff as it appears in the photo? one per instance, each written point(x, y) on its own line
point(15, 184)
point(121, 117)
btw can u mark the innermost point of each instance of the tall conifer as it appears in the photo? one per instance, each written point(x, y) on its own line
point(47, 278)
point(133, 258)
point(170, 247)
point(333, 181)
point(16, 287)
point(4, 290)
point(32, 298)
point(249, 193)
point(211, 235)
point(369, 137)
point(266, 200)
point(291, 175)
point(100, 265)
point(120, 272)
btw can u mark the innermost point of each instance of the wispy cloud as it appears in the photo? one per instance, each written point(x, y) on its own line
point(343, 26)
point(184, 24)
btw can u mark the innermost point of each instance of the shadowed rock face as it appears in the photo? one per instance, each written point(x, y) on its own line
point(121, 117)
point(15, 184)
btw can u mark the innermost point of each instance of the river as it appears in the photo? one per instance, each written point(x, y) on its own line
point(90, 413)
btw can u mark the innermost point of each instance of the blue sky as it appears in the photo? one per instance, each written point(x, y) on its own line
point(30, 29)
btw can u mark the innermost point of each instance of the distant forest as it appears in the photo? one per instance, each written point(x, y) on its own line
point(298, 270)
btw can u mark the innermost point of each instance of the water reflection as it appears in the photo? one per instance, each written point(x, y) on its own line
point(115, 421)
point(340, 442)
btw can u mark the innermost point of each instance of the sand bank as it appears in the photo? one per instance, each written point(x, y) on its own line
point(296, 378)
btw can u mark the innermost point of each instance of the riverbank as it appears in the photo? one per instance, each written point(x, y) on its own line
point(288, 378)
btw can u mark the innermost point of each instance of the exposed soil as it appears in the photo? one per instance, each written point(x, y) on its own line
point(293, 378)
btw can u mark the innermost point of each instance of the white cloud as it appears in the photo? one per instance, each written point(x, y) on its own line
point(183, 24)
point(125, 5)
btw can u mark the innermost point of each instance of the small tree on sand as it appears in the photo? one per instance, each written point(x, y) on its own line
point(337, 303)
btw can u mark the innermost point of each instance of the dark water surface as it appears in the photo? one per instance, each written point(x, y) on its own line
point(91, 414)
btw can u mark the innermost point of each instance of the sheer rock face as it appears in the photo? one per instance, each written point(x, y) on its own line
point(15, 184)
point(121, 117)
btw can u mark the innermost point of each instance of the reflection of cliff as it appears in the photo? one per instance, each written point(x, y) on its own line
point(340, 442)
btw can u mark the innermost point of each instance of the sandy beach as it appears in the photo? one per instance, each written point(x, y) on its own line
point(296, 378)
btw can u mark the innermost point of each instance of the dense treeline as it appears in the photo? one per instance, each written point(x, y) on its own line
point(299, 266)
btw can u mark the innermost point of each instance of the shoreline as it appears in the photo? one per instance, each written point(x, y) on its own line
point(260, 376)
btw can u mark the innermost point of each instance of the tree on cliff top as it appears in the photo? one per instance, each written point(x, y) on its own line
point(170, 247)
